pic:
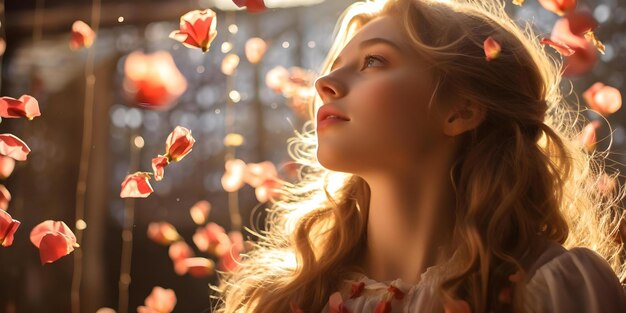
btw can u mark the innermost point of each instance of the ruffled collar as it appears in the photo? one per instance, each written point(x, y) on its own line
point(427, 277)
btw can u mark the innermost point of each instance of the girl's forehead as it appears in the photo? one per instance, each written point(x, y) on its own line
point(382, 26)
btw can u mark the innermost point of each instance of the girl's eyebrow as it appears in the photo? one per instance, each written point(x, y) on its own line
point(370, 42)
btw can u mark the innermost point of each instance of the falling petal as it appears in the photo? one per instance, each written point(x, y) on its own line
point(252, 6)
point(8, 227)
point(606, 100)
point(233, 140)
point(179, 143)
point(230, 260)
point(197, 29)
point(163, 233)
point(257, 173)
point(268, 190)
point(233, 178)
point(230, 63)
point(255, 49)
point(591, 36)
point(136, 185)
point(160, 300)
point(518, 2)
point(492, 48)
point(570, 30)
point(82, 35)
point(26, 106)
point(180, 250)
point(199, 267)
point(5, 198)
point(562, 48)
point(200, 212)
point(13, 147)
point(212, 238)
point(54, 240)
point(276, 78)
point(158, 165)
point(152, 81)
point(7, 165)
point(560, 7)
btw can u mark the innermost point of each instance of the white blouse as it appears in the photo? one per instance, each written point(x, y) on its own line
point(575, 280)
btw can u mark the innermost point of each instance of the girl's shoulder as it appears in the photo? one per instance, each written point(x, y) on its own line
point(574, 280)
point(560, 280)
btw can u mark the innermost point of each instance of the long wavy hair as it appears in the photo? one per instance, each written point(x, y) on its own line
point(522, 176)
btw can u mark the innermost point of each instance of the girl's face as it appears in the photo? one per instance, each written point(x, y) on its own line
point(383, 88)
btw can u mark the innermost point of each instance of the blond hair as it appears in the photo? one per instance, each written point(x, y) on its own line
point(521, 176)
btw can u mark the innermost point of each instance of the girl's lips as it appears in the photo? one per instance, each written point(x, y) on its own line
point(329, 121)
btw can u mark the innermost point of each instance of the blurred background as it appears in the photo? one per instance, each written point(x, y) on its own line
point(224, 93)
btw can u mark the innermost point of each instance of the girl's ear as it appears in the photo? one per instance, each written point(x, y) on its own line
point(466, 116)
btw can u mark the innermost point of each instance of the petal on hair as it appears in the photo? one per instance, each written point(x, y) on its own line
point(492, 48)
point(587, 138)
point(560, 47)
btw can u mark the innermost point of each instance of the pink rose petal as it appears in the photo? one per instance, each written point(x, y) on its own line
point(8, 226)
point(13, 147)
point(136, 185)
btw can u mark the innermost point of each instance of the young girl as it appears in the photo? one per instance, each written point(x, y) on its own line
point(437, 180)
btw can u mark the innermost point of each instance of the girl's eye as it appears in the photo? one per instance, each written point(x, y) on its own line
point(371, 60)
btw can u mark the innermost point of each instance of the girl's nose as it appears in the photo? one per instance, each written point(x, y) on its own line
point(329, 88)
